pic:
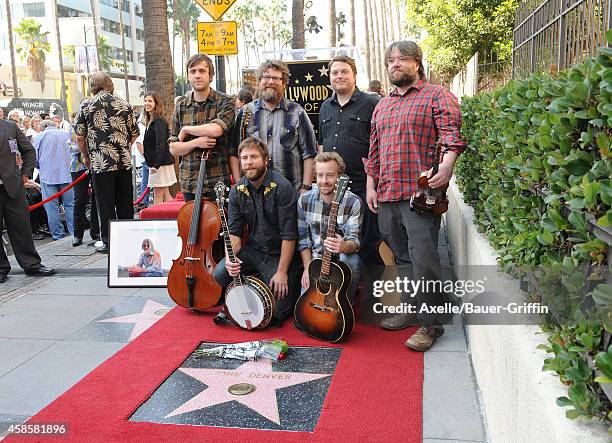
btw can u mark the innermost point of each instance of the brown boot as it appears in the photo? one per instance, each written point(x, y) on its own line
point(423, 338)
point(400, 321)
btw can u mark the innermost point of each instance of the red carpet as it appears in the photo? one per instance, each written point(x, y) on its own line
point(375, 393)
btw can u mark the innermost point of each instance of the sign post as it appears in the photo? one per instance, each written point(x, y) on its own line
point(217, 38)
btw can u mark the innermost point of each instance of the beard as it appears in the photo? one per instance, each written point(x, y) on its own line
point(269, 95)
point(255, 173)
point(402, 78)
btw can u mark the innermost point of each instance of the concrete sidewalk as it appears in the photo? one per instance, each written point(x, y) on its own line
point(55, 330)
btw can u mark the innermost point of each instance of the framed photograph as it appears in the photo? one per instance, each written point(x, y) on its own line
point(141, 252)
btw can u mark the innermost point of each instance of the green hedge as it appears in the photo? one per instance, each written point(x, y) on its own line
point(538, 168)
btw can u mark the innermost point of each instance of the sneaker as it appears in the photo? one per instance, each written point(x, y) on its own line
point(99, 244)
point(398, 322)
point(423, 338)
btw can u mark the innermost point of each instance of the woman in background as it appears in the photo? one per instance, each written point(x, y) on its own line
point(156, 150)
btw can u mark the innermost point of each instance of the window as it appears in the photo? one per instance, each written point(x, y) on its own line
point(65, 11)
point(125, 5)
point(138, 10)
point(111, 3)
point(34, 9)
point(141, 58)
point(117, 54)
point(140, 34)
point(127, 30)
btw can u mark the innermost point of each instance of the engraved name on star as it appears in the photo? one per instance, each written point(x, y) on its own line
point(263, 400)
point(143, 320)
point(323, 71)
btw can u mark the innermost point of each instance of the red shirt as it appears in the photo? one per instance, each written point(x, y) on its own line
point(404, 129)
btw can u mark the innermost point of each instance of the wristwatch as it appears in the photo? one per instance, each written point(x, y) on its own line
point(306, 187)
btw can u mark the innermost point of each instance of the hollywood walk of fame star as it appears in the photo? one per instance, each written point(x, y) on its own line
point(150, 314)
point(308, 77)
point(262, 400)
point(323, 71)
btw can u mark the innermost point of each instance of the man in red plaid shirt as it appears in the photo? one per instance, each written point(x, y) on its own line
point(405, 126)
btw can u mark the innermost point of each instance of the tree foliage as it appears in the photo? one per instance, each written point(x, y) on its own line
point(33, 48)
point(457, 29)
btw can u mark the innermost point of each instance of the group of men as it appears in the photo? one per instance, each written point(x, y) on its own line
point(270, 150)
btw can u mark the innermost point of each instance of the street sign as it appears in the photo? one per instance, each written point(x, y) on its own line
point(215, 8)
point(217, 38)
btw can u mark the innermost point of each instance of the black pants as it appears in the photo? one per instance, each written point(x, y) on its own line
point(81, 198)
point(14, 215)
point(113, 197)
point(413, 238)
point(370, 234)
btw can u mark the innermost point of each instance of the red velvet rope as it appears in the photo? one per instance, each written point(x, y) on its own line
point(57, 194)
point(71, 185)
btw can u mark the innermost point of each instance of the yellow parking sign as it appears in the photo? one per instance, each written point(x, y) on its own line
point(215, 8)
point(217, 38)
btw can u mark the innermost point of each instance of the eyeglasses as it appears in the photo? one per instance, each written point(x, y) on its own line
point(271, 77)
point(392, 61)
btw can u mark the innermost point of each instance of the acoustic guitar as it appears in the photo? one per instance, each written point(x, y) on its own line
point(324, 310)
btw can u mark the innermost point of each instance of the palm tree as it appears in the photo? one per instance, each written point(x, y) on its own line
point(9, 19)
point(186, 14)
point(60, 52)
point(33, 49)
point(103, 53)
point(297, 20)
point(94, 15)
point(122, 34)
point(332, 23)
point(352, 18)
point(368, 44)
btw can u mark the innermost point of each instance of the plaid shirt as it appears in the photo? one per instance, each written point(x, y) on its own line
point(288, 133)
point(313, 220)
point(218, 108)
point(404, 129)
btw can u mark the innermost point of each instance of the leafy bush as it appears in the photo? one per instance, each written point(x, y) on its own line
point(539, 168)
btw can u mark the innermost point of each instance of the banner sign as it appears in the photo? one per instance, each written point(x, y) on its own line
point(217, 38)
point(40, 106)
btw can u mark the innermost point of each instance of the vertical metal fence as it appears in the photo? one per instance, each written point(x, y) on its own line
point(551, 35)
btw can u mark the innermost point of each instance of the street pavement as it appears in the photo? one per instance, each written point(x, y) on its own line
point(55, 330)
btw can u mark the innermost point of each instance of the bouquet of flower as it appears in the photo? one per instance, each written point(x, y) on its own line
point(273, 349)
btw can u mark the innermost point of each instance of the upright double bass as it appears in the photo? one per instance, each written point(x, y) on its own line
point(190, 281)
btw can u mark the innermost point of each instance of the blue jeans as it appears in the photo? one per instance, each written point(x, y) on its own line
point(144, 182)
point(53, 212)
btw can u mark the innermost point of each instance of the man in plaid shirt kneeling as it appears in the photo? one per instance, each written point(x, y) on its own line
point(313, 219)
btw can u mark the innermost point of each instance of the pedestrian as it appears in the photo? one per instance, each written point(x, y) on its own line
point(281, 124)
point(53, 162)
point(156, 150)
point(375, 88)
point(13, 205)
point(34, 127)
point(84, 195)
point(245, 96)
point(139, 161)
point(344, 127)
point(15, 116)
point(405, 126)
point(105, 131)
point(201, 122)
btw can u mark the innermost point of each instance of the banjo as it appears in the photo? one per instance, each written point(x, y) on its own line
point(248, 301)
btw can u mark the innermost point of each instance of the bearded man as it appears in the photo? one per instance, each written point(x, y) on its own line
point(405, 126)
point(281, 124)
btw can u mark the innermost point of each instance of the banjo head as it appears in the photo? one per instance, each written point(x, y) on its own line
point(248, 307)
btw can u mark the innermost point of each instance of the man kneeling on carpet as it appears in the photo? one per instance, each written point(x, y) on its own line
point(313, 218)
point(267, 202)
